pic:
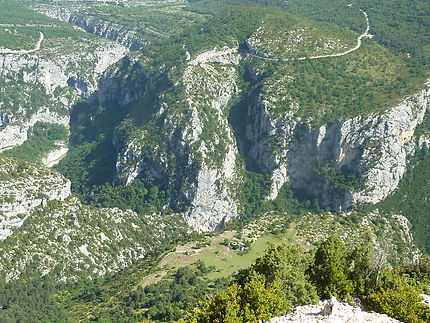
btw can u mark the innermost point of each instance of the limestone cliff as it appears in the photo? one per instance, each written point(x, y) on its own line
point(194, 150)
point(44, 85)
point(190, 146)
point(24, 187)
point(374, 147)
point(128, 38)
point(332, 311)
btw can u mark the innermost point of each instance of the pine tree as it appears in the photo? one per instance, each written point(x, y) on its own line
point(329, 272)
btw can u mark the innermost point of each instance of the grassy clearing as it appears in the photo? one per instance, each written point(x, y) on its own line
point(227, 264)
point(219, 251)
point(223, 252)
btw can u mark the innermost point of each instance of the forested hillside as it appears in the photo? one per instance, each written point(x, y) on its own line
point(208, 161)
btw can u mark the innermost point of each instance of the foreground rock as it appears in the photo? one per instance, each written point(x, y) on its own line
point(332, 311)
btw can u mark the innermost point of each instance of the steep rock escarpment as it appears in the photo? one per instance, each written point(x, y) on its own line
point(109, 30)
point(24, 187)
point(189, 145)
point(374, 148)
point(49, 82)
point(123, 84)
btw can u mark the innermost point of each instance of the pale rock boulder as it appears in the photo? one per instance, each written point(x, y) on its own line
point(426, 299)
point(332, 311)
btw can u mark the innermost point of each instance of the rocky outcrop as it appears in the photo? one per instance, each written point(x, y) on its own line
point(24, 187)
point(71, 241)
point(374, 147)
point(54, 157)
point(426, 299)
point(4, 119)
point(332, 311)
point(194, 151)
point(109, 30)
point(59, 11)
point(14, 134)
point(50, 82)
point(58, 72)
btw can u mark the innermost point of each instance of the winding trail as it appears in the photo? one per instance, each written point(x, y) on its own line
point(359, 38)
point(24, 51)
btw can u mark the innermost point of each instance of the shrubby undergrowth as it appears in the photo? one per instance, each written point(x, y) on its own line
point(288, 276)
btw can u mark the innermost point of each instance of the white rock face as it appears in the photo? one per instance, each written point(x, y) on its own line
point(426, 299)
point(200, 140)
point(24, 187)
point(109, 30)
point(63, 78)
point(224, 55)
point(211, 207)
point(54, 72)
point(376, 147)
point(213, 203)
point(54, 157)
point(14, 134)
point(332, 311)
point(59, 11)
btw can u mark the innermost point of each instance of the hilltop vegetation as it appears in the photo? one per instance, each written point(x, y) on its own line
point(287, 275)
point(115, 250)
point(14, 20)
point(368, 80)
point(20, 26)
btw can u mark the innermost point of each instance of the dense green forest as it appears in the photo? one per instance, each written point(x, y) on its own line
point(20, 26)
point(31, 301)
point(387, 68)
point(19, 37)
